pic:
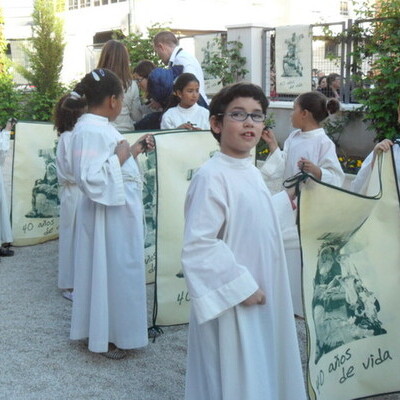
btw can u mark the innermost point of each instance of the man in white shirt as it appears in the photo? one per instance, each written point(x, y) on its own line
point(167, 47)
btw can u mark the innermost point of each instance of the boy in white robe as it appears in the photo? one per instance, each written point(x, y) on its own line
point(242, 336)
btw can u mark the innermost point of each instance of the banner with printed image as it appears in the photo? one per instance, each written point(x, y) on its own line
point(34, 203)
point(351, 280)
point(293, 56)
point(179, 155)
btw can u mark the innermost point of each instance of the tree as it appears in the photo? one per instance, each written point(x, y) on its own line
point(140, 46)
point(8, 97)
point(379, 40)
point(222, 59)
point(45, 56)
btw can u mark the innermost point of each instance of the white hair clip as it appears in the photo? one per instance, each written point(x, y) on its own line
point(95, 76)
point(75, 95)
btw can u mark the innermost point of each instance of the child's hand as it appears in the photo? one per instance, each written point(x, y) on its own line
point(258, 297)
point(122, 151)
point(144, 144)
point(384, 146)
point(189, 126)
point(269, 137)
point(309, 167)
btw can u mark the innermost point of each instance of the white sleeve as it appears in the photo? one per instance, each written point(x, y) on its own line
point(216, 281)
point(331, 170)
point(274, 165)
point(361, 181)
point(4, 145)
point(167, 121)
point(134, 104)
point(97, 173)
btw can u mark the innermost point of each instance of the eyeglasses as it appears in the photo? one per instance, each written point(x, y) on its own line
point(243, 115)
point(138, 80)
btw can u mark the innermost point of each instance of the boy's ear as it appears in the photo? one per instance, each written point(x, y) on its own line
point(215, 125)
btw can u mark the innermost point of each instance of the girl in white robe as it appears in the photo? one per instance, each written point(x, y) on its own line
point(109, 306)
point(308, 148)
point(183, 111)
point(69, 195)
point(242, 336)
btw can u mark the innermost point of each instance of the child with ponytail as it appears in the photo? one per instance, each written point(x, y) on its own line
point(109, 305)
point(309, 149)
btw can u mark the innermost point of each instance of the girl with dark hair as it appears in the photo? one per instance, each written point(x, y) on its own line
point(109, 304)
point(114, 56)
point(69, 194)
point(183, 112)
point(309, 149)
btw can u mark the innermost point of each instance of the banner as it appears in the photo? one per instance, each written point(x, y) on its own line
point(34, 202)
point(179, 155)
point(351, 280)
point(293, 55)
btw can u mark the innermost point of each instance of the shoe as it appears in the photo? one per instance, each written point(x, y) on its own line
point(68, 295)
point(115, 354)
point(6, 252)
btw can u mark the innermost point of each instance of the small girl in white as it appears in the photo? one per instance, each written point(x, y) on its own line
point(308, 148)
point(183, 111)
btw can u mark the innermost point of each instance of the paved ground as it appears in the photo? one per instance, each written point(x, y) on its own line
point(39, 362)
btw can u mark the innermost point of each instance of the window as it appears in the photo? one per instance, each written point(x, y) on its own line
point(344, 8)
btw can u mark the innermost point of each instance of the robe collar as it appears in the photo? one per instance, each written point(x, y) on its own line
point(240, 163)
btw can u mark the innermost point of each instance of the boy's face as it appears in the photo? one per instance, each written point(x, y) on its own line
point(239, 137)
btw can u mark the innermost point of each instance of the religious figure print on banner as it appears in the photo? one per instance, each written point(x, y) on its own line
point(35, 204)
point(351, 281)
point(293, 56)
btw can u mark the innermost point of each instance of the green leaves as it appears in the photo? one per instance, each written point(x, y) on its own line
point(223, 60)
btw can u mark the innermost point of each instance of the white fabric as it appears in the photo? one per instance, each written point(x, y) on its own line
point(176, 116)
point(5, 224)
point(69, 195)
point(191, 65)
point(232, 246)
point(131, 110)
point(315, 146)
point(109, 286)
point(361, 181)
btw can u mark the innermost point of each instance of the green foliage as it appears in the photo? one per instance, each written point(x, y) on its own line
point(140, 46)
point(9, 99)
point(262, 149)
point(222, 59)
point(45, 57)
point(381, 39)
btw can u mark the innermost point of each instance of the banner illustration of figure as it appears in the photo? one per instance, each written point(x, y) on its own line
point(344, 310)
point(292, 65)
point(45, 202)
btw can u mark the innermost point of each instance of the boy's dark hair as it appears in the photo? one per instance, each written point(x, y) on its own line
point(226, 95)
point(318, 105)
point(93, 89)
point(65, 119)
point(180, 83)
point(143, 68)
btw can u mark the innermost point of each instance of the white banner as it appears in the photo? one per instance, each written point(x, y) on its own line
point(293, 56)
point(351, 280)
